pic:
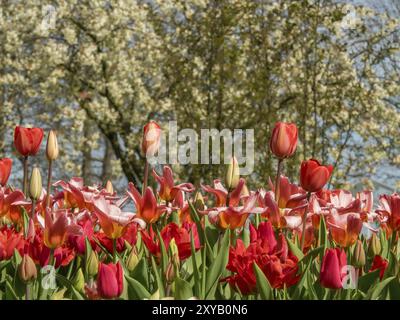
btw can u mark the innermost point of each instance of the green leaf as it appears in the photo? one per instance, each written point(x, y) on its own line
point(136, 289)
point(140, 273)
point(374, 292)
point(218, 266)
point(264, 288)
point(10, 293)
point(368, 280)
point(164, 254)
point(160, 284)
point(196, 273)
point(183, 290)
point(295, 250)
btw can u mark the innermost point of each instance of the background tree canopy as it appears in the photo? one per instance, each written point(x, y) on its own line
point(100, 69)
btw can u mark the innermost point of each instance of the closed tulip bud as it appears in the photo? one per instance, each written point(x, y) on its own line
point(78, 281)
point(27, 269)
point(174, 253)
point(359, 255)
point(170, 272)
point(283, 141)
point(5, 170)
point(92, 264)
point(199, 201)
point(313, 175)
point(132, 260)
point(110, 280)
point(151, 139)
point(375, 246)
point(232, 174)
point(35, 187)
point(52, 146)
point(109, 187)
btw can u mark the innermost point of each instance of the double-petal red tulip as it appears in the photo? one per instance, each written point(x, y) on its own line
point(182, 236)
point(27, 140)
point(10, 240)
point(313, 175)
point(146, 206)
point(5, 170)
point(168, 191)
point(110, 282)
point(332, 274)
point(283, 141)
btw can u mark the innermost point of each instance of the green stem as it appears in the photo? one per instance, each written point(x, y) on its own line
point(49, 174)
point(25, 183)
point(115, 250)
point(303, 234)
point(278, 175)
point(28, 292)
point(146, 177)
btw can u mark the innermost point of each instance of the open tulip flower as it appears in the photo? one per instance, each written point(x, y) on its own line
point(168, 191)
point(113, 220)
point(146, 206)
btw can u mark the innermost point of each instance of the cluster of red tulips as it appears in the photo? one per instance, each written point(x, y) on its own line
point(287, 241)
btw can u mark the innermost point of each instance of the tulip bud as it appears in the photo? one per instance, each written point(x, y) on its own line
point(170, 272)
point(109, 187)
point(232, 174)
point(78, 281)
point(173, 248)
point(359, 255)
point(132, 260)
point(35, 187)
point(27, 269)
point(375, 246)
point(151, 139)
point(283, 141)
point(92, 264)
point(199, 201)
point(52, 146)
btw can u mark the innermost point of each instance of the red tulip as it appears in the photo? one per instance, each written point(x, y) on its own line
point(151, 139)
point(27, 140)
point(389, 211)
point(381, 264)
point(313, 175)
point(5, 170)
point(10, 240)
point(331, 271)
point(283, 141)
point(110, 280)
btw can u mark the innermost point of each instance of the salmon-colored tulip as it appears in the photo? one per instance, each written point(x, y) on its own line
point(113, 220)
point(331, 271)
point(57, 227)
point(313, 175)
point(5, 170)
point(146, 206)
point(151, 139)
point(110, 282)
point(344, 228)
point(27, 140)
point(283, 141)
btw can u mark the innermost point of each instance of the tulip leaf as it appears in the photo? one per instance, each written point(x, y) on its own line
point(295, 250)
point(218, 266)
point(323, 234)
point(164, 254)
point(76, 294)
point(374, 292)
point(264, 288)
point(136, 289)
point(394, 289)
point(157, 275)
point(183, 290)
point(10, 293)
point(368, 280)
point(196, 273)
point(140, 273)
point(4, 264)
point(201, 231)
